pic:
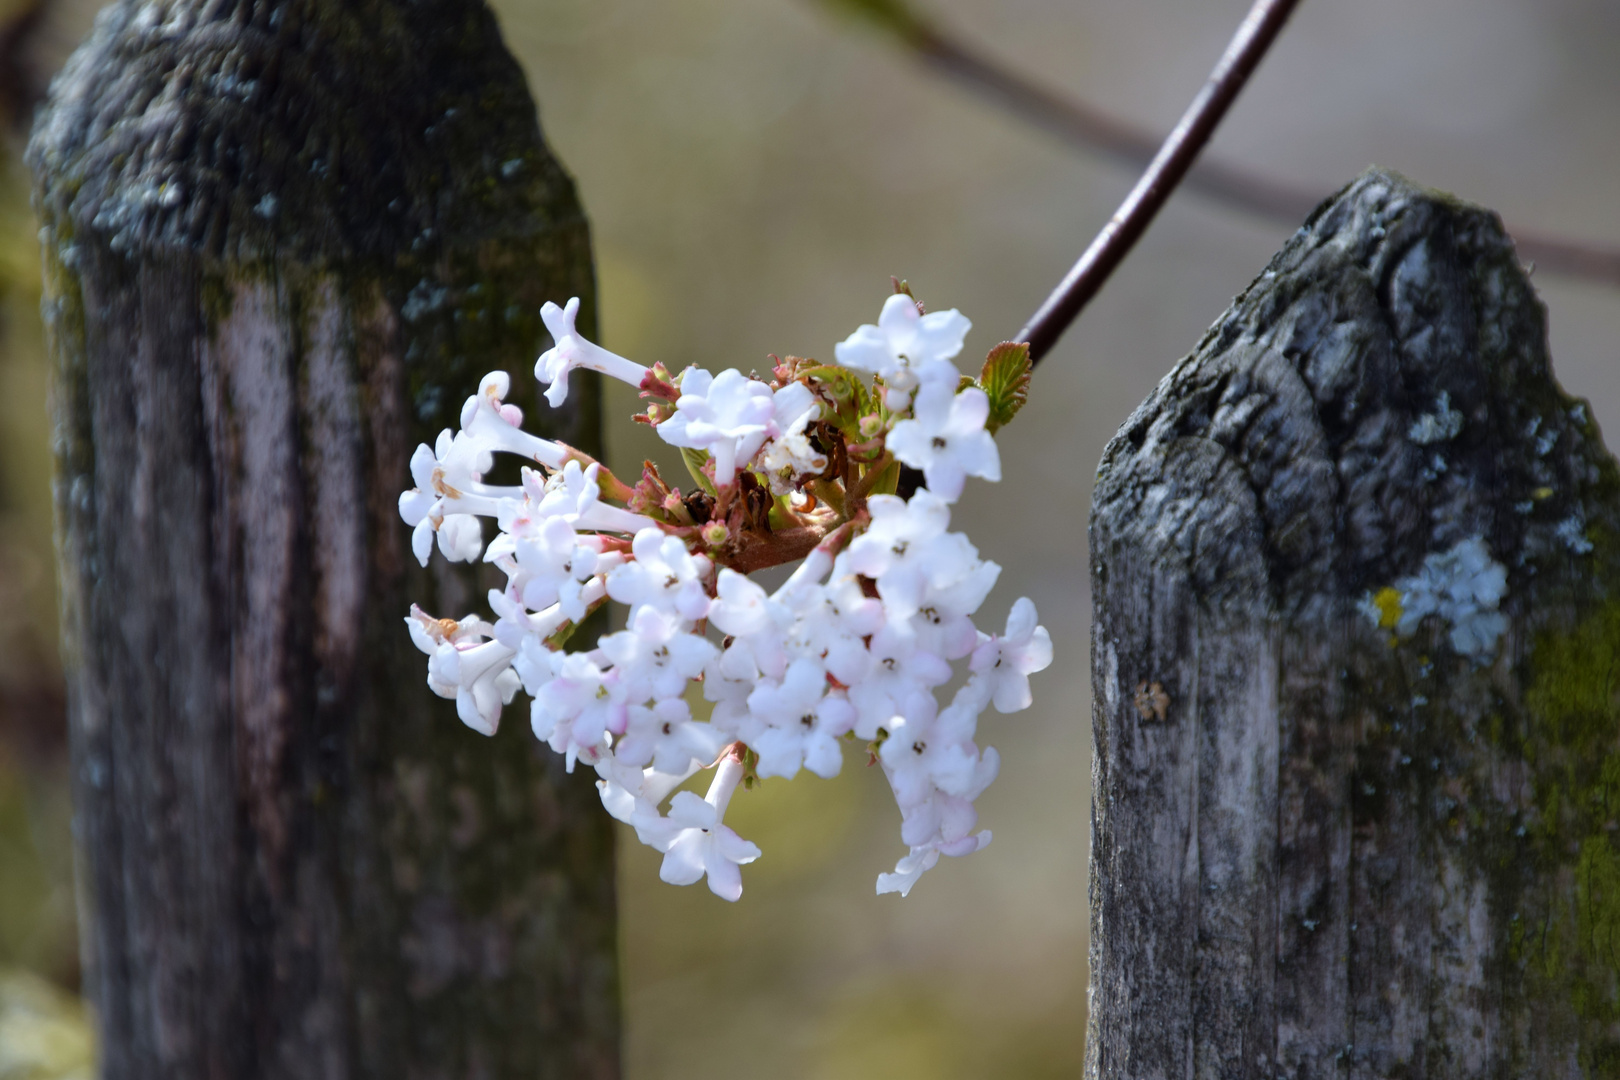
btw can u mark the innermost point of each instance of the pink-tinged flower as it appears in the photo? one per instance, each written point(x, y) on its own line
point(662, 574)
point(496, 427)
point(575, 711)
point(705, 846)
point(665, 736)
point(922, 859)
point(1005, 663)
point(657, 654)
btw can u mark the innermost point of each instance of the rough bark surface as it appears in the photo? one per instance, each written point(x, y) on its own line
point(1321, 848)
point(283, 240)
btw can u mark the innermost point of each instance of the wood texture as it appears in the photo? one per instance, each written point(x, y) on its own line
point(284, 239)
point(1322, 849)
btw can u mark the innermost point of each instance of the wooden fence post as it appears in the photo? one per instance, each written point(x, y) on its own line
point(283, 241)
point(1356, 658)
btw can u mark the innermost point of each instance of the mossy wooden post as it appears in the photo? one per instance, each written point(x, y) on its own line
point(1326, 842)
point(283, 241)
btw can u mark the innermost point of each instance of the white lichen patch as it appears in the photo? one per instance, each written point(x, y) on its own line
point(1463, 586)
point(1572, 531)
point(1442, 424)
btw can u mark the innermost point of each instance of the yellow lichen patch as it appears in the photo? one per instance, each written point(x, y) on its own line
point(1388, 602)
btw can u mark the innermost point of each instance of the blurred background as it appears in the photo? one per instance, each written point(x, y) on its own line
point(754, 171)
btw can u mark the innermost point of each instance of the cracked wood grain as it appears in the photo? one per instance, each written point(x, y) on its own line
point(283, 240)
point(1342, 850)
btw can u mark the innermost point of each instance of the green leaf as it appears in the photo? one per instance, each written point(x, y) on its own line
point(1005, 381)
point(695, 460)
point(888, 481)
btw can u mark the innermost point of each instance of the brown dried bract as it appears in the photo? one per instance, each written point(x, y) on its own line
point(1151, 701)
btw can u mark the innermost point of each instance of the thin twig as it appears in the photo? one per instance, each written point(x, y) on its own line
point(1258, 30)
point(1082, 125)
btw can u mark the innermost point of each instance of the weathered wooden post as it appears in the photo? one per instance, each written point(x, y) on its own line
point(284, 238)
point(1356, 573)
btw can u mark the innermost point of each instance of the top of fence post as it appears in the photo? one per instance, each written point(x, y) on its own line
point(284, 239)
point(1356, 576)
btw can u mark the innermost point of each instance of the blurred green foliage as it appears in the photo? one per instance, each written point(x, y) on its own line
point(44, 1032)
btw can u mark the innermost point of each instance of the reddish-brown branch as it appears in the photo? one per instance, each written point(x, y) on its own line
point(756, 551)
point(1258, 30)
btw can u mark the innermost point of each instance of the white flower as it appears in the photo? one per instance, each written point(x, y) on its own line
point(574, 495)
point(705, 846)
point(907, 550)
point(449, 476)
point(741, 607)
point(929, 750)
point(518, 628)
point(899, 669)
point(727, 683)
point(571, 351)
point(906, 346)
point(1005, 663)
point(461, 538)
point(662, 574)
point(727, 415)
point(912, 866)
point(947, 440)
point(665, 736)
point(851, 644)
point(657, 655)
point(942, 624)
point(942, 819)
point(787, 453)
point(540, 556)
point(907, 871)
point(799, 722)
point(447, 492)
point(574, 712)
point(632, 796)
point(462, 665)
point(938, 820)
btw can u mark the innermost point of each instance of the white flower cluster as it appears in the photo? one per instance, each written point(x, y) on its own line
point(855, 646)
